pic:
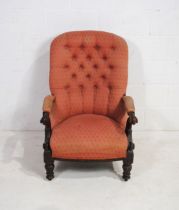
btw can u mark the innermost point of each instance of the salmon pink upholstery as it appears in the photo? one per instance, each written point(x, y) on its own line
point(88, 78)
point(88, 136)
point(88, 74)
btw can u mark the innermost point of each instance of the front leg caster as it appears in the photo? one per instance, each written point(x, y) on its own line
point(50, 177)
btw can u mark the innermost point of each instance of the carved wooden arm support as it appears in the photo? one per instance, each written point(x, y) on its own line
point(45, 120)
point(130, 108)
point(132, 120)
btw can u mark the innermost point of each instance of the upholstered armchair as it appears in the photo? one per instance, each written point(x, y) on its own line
point(88, 116)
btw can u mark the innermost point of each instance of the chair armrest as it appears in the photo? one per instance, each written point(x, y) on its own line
point(129, 103)
point(47, 106)
point(130, 109)
point(48, 102)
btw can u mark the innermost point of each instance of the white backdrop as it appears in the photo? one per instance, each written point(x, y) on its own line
point(151, 29)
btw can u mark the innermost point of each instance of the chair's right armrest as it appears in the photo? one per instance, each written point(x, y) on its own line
point(47, 107)
point(130, 109)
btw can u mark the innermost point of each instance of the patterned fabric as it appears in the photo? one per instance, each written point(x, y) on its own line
point(88, 75)
point(88, 136)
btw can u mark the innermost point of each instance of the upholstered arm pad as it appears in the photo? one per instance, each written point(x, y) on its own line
point(47, 106)
point(130, 108)
point(48, 102)
point(129, 103)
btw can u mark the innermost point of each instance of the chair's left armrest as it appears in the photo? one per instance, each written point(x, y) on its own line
point(47, 106)
point(130, 109)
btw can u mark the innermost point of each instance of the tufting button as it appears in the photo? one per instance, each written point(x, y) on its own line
point(82, 46)
point(103, 76)
point(104, 57)
point(96, 86)
point(97, 47)
point(111, 66)
point(81, 86)
point(110, 87)
point(67, 46)
point(95, 66)
point(66, 66)
point(81, 66)
point(88, 76)
point(73, 75)
point(74, 57)
point(113, 47)
point(89, 57)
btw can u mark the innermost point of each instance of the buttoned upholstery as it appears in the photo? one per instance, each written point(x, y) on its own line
point(88, 76)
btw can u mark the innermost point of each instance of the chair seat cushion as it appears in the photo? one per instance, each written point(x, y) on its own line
point(88, 137)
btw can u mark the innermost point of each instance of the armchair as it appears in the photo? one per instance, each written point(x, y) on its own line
point(88, 117)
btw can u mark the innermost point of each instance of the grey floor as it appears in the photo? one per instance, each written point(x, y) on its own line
point(89, 186)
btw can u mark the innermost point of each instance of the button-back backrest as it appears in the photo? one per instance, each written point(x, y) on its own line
point(88, 74)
